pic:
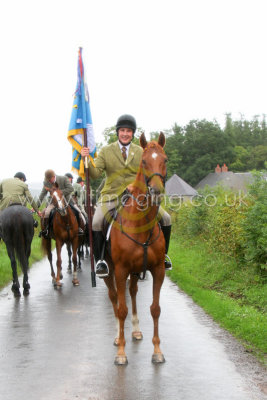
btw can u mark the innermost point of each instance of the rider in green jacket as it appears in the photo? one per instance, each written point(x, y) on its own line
point(120, 171)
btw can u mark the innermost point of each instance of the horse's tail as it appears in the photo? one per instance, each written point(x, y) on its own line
point(44, 245)
point(21, 236)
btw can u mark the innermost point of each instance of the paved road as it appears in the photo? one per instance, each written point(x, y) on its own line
point(58, 345)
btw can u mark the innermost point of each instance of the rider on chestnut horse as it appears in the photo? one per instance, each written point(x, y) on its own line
point(65, 186)
point(120, 162)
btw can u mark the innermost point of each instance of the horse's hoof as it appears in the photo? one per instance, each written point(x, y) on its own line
point(121, 360)
point(137, 335)
point(57, 285)
point(79, 268)
point(116, 341)
point(158, 358)
point(75, 282)
point(26, 292)
point(16, 293)
point(69, 271)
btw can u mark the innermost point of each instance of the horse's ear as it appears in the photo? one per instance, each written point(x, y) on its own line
point(143, 141)
point(161, 139)
point(56, 185)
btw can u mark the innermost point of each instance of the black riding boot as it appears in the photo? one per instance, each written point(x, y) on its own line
point(44, 232)
point(166, 230)
point(102, 270)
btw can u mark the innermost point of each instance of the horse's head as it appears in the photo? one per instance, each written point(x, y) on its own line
point(58, 199)
point(153, 165)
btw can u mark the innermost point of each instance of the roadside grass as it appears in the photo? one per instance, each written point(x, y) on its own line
point(233, 296)
point(5, 266)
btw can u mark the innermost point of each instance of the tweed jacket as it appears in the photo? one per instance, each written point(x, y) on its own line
point(64, 185)
point(14, 190)
point(79, 192)
point(119, 173)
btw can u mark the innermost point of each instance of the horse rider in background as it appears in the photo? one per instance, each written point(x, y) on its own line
point(120, 162)
point(65, 186)
point(80, 193)
point(70, 177)
point(16, 191)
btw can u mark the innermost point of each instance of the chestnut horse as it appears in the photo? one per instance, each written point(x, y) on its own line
point(65, 230)
point(137, 244)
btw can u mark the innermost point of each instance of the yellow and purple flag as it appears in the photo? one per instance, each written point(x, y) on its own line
point(80, 122)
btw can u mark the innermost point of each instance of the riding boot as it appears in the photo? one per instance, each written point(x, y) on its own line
point(102, 269)
point(44, 232)
point(166, 230)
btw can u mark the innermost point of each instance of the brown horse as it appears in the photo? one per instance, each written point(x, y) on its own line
point(137, 244)
point(65, 230)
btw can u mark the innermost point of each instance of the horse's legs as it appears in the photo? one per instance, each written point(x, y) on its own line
point(16, 285)
point(26, 285)
point(158, 276)
point(112, 293)
point(121, 358)
point(75, 243)
point(133, 288)
point(86, 251)
point(79, 253)
point(69, 256)
point(59, 245)
point(47, 246)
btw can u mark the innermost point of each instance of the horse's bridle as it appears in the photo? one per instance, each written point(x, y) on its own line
point(148, 178)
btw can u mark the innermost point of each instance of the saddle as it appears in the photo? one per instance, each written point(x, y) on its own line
point(52, 214)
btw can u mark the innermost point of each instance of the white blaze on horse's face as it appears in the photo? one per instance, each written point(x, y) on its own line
point(154, 156)
point(60, 203)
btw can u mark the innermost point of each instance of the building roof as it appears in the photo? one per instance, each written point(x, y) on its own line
point(177, 186)
point(232, 180)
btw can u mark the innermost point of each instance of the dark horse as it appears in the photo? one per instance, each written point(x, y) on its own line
point(64, 230)
point(16, 230)
point(137, 244)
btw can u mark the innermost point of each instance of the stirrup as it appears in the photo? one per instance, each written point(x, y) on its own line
point(44, 234)
point(102, 270)
point(167, 263)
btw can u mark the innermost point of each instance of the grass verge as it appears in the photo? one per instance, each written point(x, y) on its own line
point(233, 296)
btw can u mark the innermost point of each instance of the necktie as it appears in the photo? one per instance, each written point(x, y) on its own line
point(123, 152)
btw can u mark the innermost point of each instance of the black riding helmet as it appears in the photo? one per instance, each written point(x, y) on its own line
point(126, 121)
point(20, 175)
point(68, 175)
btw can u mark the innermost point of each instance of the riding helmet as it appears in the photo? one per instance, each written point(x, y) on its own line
point(79, 179)
point(20, 175)
point(126, 121)
point(68, 175)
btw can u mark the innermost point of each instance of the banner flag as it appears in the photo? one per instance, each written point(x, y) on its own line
point(81, 119)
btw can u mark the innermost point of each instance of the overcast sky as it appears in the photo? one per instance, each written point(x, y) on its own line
point(164, 62)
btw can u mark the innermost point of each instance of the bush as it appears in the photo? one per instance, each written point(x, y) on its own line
point(231, 223)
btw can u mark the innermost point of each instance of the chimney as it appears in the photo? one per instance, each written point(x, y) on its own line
point(218, 169)
point(224, 168)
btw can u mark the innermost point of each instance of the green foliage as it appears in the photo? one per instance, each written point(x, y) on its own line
point(230, 223)
point(255, 225)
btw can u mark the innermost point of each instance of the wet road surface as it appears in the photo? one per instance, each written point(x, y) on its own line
point(58, 345)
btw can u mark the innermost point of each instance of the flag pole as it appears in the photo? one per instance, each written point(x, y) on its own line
point(89, 211)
